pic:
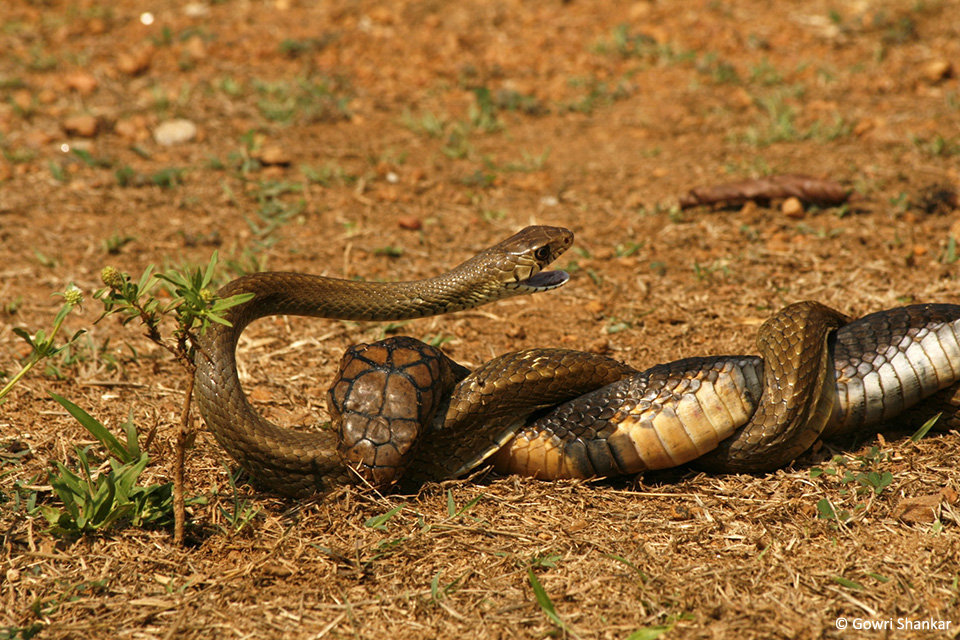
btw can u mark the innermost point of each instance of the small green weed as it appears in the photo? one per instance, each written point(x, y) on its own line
point(482, 113)
point(274, 210)
point(950, 255)
point(116, 242)
point(864, 475)
point(596, 94)
point(436, 593)
point(546, 604)
point(307, 100)
point(193, 307)
point(241, 512)
point(297, 48)
point(765, 73)
point(98, 501)
point(937, 146)
point(650, 633)
point(624, 43)
point(380, 522)
point(861, 479)
point(43, 346)
point(58, 171)
point(168, 178)
point(425, 123)
point(327, 175)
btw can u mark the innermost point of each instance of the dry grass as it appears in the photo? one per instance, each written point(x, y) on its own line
point(707, 556)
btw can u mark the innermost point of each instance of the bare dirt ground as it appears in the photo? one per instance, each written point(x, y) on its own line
point(393, 140)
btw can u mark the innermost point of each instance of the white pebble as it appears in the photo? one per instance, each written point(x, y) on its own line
point(174, 132)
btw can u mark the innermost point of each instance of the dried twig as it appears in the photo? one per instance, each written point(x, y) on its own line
point(806, 188)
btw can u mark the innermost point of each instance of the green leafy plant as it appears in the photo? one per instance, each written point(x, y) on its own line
point(309, 99)
point(193, 307)
point(861, 480)
point(865, 477)
point(44, 346)
point(95, 501)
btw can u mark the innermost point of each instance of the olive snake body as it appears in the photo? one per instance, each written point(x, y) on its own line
point(555, 413)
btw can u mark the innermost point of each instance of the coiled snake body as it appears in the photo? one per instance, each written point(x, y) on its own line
point(554, 413)
point(293, 462)
point(881, 365)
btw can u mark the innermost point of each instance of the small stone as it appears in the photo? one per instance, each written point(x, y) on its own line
point(516, 333)
point(594, 306)
point(273, 155)
point(37, 138)
point(82, 82)
point(640, 10)
point(82, 125)
point(195, 48)
point(600, 346)
point(173, 132)
point(196, 10)
point(863, 126)
point(133, 129)
point(742, 98)
point(410, 223)
point(136, 62)
point(792, 208)
point(634, 200)
point(23, 99)
point(937, 70)
point(96, 26)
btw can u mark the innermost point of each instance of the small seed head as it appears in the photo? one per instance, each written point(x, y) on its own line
point(73, 296)
point(206, 295)
point(111, 277)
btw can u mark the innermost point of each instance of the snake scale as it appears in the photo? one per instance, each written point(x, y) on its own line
point(882, 364)
point(293, 462)
point(556, 413)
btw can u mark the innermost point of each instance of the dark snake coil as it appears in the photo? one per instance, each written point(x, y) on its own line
point(555, 413)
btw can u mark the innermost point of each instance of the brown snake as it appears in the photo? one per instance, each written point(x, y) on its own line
point(553, 413)
point(294, 462)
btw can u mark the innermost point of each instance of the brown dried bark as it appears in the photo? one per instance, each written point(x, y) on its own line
point(806, 188)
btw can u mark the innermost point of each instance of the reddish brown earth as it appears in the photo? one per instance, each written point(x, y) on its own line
point(393, 140)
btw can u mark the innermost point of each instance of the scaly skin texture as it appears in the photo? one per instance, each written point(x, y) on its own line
point(383, 399)
point(880, 366)
point(294, 463)
point(797, 397)
point(732, 413)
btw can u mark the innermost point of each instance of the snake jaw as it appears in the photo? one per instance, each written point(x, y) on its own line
point(544, 281)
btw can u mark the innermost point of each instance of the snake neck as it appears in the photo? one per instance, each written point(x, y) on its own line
point(288, 461)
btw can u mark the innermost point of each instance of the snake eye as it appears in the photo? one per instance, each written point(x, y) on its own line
point(542, 254)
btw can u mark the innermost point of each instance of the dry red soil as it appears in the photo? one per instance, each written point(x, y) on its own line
point(393, 140)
